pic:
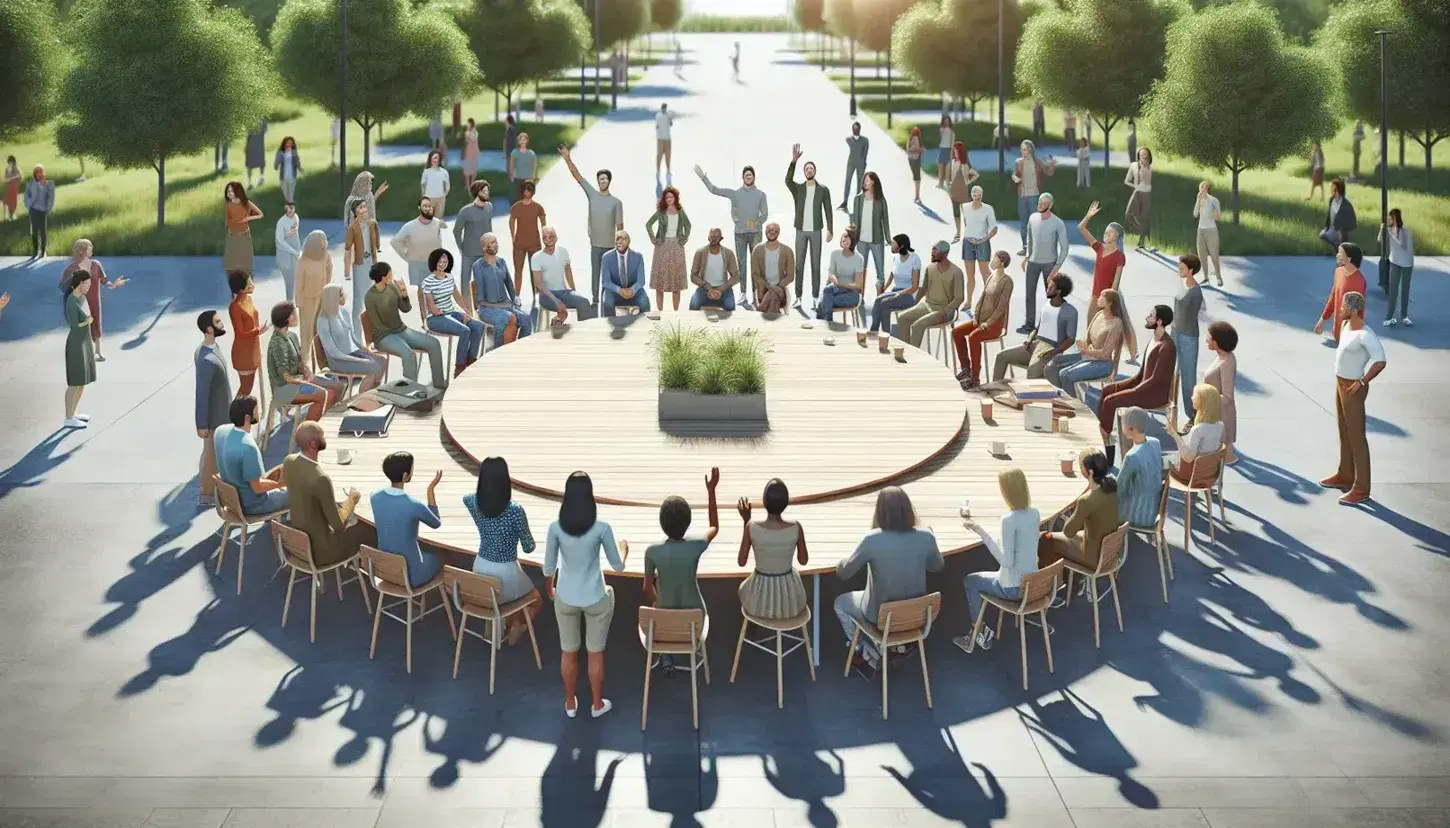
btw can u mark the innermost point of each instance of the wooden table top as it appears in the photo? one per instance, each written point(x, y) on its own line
point(845, 421)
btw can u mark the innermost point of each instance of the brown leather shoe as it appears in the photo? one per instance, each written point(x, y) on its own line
point(1354, 497)
point(1334, 481)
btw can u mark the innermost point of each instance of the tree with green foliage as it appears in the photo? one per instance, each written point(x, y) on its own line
point(1098, 56)
point(1299, 19)
point(952, 48)
point(31, 62)
point(619, 20)
point(544, 37)
point(665, 15)
point(1236, 94)
point(401, 59)
point(1419, 53)
point(130, 106)
point(875, 22)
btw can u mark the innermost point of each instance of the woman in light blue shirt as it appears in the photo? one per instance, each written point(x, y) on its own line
point(1017, 554)
point(340, 344)
point(583, 603)
point(846, 278)
point(905, 279)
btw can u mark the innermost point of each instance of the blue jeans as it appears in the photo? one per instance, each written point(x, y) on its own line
point(401, 345)
point(874, 251)
point(499, 319)
point(1067, 370)
point(610, 301)
point(1187, 369)
point(886, 303)
point(848, 607)
point(468, 331)
point(264, 503)
point(744, 244)
point(1026, 206)
point(977, 584)
point(701, 298)
point(1399, 290)
point(835, 297)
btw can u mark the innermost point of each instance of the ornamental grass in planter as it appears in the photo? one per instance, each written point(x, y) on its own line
point(711, 383)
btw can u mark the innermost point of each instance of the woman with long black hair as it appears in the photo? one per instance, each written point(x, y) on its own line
point(503, 529)
point(1095, 514)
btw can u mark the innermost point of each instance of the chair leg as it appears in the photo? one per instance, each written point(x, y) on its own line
point(851, 650)
point(312, 620)
point(885, 681)
point(447, 611)
point(241, 558)
point(377, 618)
point(1167, 554)
point(1022, 639)
point(1046, 638)
point(977, 627)
point(495, 638)
point(458, 647)
point(337, 575)
point(810, 657)
point(1093, 596)
point(739, 645)
point(649, 657)
point(1117, 604)
point(362, 587)
point(1222, 515)
point(408, 644)
point(1208, 511)
point(1001, 616)
point(694, 690)
point(1162, 571)
point(705, 659)
point(1069, 587)
point(779, 673)
point(925, 676)
point(528, 620)
point(287, 602)
point(1187, 520)
point(221, 550)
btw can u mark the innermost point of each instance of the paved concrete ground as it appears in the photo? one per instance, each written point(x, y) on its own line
point(1297, 677)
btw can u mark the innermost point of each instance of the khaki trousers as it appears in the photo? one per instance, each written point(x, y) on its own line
point(1208, 247)
point(1353, 444)
point(207, 466)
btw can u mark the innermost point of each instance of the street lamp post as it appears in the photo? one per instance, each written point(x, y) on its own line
point(1384, 144)
point(342, 109)
point(1001, 103)
point(853, 78)
point(596, 51)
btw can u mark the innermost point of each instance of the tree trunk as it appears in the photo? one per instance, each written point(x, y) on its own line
point(160, 197)
point(367, 128)
point(1402, 149)
point(1429, 165)
point(888, 86)
point(495, 104)
point(1107, 146)
point(1236, 194)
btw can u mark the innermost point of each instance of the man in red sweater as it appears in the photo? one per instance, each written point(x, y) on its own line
point(1347, 279)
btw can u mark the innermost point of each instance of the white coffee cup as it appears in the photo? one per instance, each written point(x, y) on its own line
point(965, 510)
point(344, 456)
point(998, 448)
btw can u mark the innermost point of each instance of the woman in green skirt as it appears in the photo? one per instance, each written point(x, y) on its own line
point(80, 354)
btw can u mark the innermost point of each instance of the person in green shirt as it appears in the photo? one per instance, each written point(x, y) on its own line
point(670, 566)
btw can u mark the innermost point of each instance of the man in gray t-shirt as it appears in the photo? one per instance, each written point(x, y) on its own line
point(748, 209)
point(1187, 305)
point(606, 217)
point(475, 219)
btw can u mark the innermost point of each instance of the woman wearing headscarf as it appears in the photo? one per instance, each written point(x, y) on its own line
point(362, 187)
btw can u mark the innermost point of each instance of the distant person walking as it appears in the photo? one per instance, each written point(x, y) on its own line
point(12, 187)
point(39, 202)
point(1396, 236)
point(857, 146)
point(239, 213)
point(679, 60)
point(664, 124)
point(470, 155)
point(1138, 215)
point(735, 63)
point(1206, 210)
point(289, 166)
point(946, 136)
point(255, 153)
point(1316, 171)
point(914, 152)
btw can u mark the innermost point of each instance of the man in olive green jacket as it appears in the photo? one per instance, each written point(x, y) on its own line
point(812, 212)
point(315, 509)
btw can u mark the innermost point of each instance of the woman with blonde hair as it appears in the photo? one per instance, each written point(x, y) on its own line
point(1016, 553)
point(897, 555)
point(314, 270)
point(81, 259)
point(341, 344)
point(1096, 356)
point(1205, 436)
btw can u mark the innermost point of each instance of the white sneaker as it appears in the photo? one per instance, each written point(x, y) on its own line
point(1405, 320)
point(608, 706)
point(1390, 323)
point(74, 422)
point(85, 418)
point(571, 712)
point(985, 638)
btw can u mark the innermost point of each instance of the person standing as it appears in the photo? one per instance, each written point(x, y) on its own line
point(979, 227)
point(1030, 175)
point(1047, 248)
point(664, 125)
point(475, 219)
point(857, 146)
point(812, 212)
point(1069, 127)
point(1138, 215)
point(679, 60)
point(288, 165)
point(714, 273)
point(870, 214)
point(39, 202)
point(289, 246)
point(1187, 307)
point(1132, 138)
point(669, 231)
point(332, 158)
point(443, 311)
point(12, 187)
point(1108, 264)
point(213, 399)
point(362, 187)
point(1401, 245)
point(523, 167)
point(314, 270)
point(526, 224)
point(772, 269)
point(435, 133)
point(735, 63)
point(1084, 164)
point(1221, 374)
point(397, 516)
point(238, 215)
point(1206, 210)
point(359, 254)
point(1316, 171)
point(436, 183)
point(1339, 220)
point(510, 139)
point(553, 278)
point(80, 354)
point(330, 527)
point(914, 152)
point(987, 323)
point(946, 137)
point(81, 259)
point(1358, 141)
point(960, 179)
point(1039, 121)
point(748, 211)
point(417, 239)
point(1359, 358)
point(941, 294)
point(249, 327)
point(470, 155)
point(606, 217)
point(1347, 279)
point(255, 153)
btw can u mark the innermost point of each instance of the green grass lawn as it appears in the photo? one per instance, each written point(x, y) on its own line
point(871, 85)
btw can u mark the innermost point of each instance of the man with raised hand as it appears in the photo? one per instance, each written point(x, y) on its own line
point(812, 212)
point(606, 217)
point(748, 209)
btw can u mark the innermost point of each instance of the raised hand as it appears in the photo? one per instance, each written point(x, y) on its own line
point(743, 507)
point(713, 478)
point(795, 152)
point(437, 476)
point(1093, 209)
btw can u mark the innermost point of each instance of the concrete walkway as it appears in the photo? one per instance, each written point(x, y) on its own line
point(1294, 680)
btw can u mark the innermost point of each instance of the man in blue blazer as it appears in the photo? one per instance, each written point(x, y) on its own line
point(622, 277)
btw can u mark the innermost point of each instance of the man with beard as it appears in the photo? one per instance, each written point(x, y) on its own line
point(857, 145)
point(748, 209)
point(942, 290)
point(772, 269)
point(606, 217)
point(1055, 332)
point(812, 211)
point(239, 462)
point(714, 273)
point(335, 535)
point(418, 238)
point(1046, 251)
point(475, 219)
point(1151, 387)
point(213, 397)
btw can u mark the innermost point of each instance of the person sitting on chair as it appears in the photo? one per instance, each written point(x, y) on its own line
point(332, 528)
point(345, 353)
point(554, 280)
point(386, 302)
point(986, 323)
point(397, 515)
point(1016, 555)
point(622, 278)
point(1095, 511)
point(671, 566)
point(1055, 332)
point(1096, 356)
point(292, 382)
point(1151, 387)
point(1140, 477)
point(498, 301)
point(443, 310)
point(239, 462)
point(1206, 434)
point(943, 290)
point(714, 272)
point(845, 278)
point(772, 269)
point(905, 284)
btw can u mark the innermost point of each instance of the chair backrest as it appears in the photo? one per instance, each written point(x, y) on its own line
point(910, 615)
point(1039, 587)
point(471, 588)
point(293, 546)
point(367, 329)
point(673, 626)
point(1204, 468)
point(319, 354)
point(1163, 503)
point(387, 567)
point(422, 309)
point(228, 500)
point(1114, 550)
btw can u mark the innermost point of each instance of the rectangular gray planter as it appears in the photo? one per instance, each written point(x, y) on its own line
point(687, 414)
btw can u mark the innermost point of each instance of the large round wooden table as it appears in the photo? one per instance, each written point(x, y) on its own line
point(845, 421)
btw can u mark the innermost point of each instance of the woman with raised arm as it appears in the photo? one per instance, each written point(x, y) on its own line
point(1108, 263)
point(82, 258)
point(774, 590)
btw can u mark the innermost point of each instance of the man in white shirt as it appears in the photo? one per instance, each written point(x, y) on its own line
point(289, 246)
point(418, 238)
point(1206, 210)
point(714, 274)
point(1359, 358)
point(554, 281)
point(664, 122)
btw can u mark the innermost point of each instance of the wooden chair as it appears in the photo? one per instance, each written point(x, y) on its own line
point(1037, 591)
point(423, 324)
point(944, 337)
point(367, 326)
point(319, 358)
point(1114, 553)
point(229, 509)
point(674, 632)
point(1000, 341)
point(852, 314)
point(294, 551)
point(793, 630)
point(1154, 535)
point(1101, 383)
point(284, 410)
point(898, 623)
point(477, 596)
point(487, 328)
point(388, 573)
point(1203, 477)
point(1169, 411)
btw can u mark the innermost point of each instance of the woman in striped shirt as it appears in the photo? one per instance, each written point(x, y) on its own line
point(443, 307)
